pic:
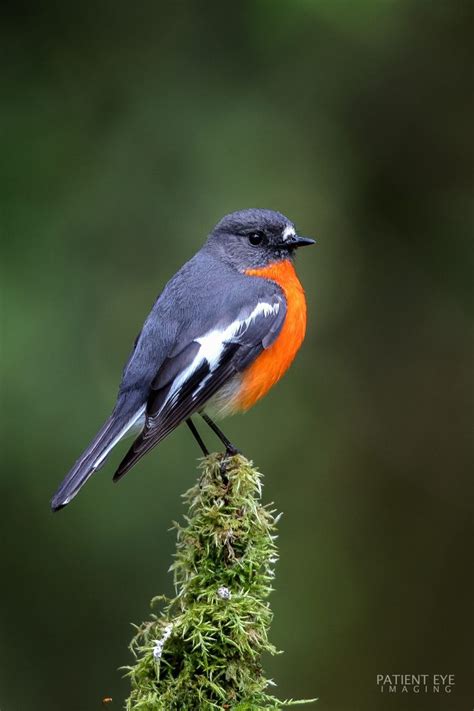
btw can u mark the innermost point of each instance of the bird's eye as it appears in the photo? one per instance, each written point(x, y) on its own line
point(256, 238)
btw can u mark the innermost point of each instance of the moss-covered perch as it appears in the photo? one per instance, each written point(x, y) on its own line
point(204, 650)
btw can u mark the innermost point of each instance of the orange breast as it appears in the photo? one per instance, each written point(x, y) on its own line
point(272, 363)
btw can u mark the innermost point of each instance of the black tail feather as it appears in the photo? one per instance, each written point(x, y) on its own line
point(84, 467)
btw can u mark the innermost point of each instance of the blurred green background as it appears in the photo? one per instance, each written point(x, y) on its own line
point(127, 131)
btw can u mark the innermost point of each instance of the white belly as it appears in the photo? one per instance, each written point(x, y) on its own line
point(224, 402)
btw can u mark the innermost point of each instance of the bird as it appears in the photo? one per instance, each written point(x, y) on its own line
point(222, 332)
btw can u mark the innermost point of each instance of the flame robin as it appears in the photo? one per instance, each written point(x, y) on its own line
point(222, 332)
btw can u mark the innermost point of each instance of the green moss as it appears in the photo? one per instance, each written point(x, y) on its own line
point(203, 651)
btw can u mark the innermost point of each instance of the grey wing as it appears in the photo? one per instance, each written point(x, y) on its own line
point(197, 369)
point(148, 355)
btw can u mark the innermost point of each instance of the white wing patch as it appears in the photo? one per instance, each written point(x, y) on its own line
point(213, 342)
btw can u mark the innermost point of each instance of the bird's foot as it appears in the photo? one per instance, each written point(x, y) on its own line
point(230, 452)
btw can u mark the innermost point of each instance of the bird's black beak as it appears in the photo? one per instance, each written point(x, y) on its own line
point(294, 241)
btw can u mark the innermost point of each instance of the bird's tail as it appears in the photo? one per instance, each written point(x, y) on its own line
point(93, 458)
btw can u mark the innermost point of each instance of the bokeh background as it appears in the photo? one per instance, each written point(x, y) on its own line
point(127, 131)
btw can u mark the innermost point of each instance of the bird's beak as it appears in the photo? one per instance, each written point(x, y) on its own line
point(295, 241)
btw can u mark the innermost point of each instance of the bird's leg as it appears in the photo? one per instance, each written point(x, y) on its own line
point(197, 436)
point(230, 450)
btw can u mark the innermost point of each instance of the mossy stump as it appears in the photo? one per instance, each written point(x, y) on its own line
point(203, 651)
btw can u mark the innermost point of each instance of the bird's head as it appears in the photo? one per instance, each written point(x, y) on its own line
point(255, 238)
